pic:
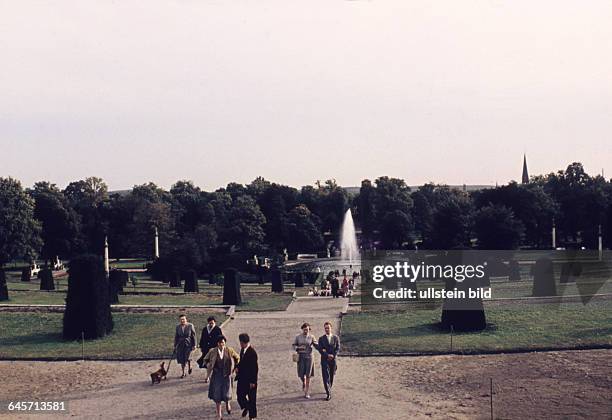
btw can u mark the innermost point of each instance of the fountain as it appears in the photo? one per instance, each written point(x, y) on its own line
point(348, 240)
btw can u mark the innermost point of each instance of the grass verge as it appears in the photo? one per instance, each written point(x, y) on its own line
point(39, 335)
point(511, 328)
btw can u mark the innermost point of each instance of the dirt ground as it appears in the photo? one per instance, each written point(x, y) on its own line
point(568, 384)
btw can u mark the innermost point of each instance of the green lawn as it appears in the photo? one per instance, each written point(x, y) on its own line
point(251, 301)
point(517, 327)
point(504, 289)
point(38, 335)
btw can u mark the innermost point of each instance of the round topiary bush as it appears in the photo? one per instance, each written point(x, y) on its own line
point(87, 301)
point(46, 279)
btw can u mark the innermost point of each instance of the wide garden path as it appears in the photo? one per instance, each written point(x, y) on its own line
point(122, 390)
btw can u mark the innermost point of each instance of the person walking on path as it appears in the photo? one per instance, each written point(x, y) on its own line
point(303, 344)
point(221, 362)
point(328, 346)
point(248, 368)
point(184, 343)
point(208, 340)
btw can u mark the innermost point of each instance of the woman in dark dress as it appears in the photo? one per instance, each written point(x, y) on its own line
point(220, 363)
point(184, 343)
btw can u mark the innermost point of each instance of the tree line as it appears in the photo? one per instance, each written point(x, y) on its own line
point(211, 230)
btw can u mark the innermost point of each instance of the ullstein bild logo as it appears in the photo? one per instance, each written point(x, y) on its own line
point(414, 272)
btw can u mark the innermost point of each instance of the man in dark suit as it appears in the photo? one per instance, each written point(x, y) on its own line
point(335, 285)
point(209, 338)
point(248, 368)
point(328, 346)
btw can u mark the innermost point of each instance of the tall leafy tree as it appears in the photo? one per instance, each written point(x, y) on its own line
point(452, 221)
point(59, 221)
point(496, 228)
point(19, 230)
point(333, 203)
point(303, 230)
point(529, 203)
point(88, 198)
point(365, 213)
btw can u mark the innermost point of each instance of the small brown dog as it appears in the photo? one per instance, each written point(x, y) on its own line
point(157, 376)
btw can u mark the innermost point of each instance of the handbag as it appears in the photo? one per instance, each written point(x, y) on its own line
point(200, 362)
point(295, 357)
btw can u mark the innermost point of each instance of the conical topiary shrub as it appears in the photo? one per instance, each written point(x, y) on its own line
point(466, 314)
point(277, 280)
point(174, 279)
point(87, 302)
point(124, 278)
point(3, 287)
point(231, 288)
point(114, 285)
point(261, 274)
point(191, 281)
point(544, 278)
point(514, 271)
point(161, 269)
point(299, 279)
point(26, 274)
point(463, 314)
point(46, 279)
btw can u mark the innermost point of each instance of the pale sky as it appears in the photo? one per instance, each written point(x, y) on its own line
point(218, 91)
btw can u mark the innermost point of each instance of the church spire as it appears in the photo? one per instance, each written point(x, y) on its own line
point(525, 178)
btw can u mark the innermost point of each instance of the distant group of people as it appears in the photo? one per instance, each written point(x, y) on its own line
point(221, 362)
point(331, 285)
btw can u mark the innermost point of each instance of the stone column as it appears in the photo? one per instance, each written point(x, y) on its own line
point(156, 244)
point(600, 244)
point(106, 262)
point(554, 235)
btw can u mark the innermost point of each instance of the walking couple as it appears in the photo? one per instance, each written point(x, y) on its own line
point(328, 345)
point(221, 362)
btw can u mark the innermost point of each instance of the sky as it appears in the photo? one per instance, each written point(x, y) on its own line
point(224, 91)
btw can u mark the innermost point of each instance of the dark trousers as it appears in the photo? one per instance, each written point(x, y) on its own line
point(247, 398)
point(328, 370)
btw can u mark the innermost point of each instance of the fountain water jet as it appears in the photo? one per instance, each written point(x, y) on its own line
point(348, 239)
